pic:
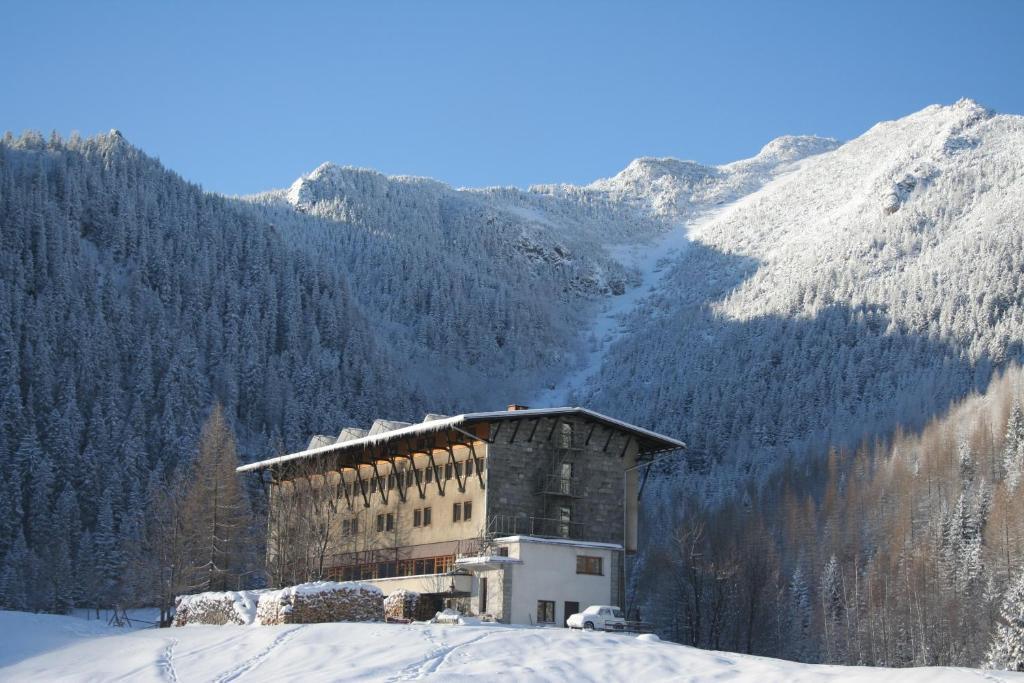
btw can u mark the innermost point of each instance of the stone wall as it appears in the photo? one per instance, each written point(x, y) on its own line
point(515, 470)
point(321, 601)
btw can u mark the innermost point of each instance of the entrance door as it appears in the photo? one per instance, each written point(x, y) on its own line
point(571, 608)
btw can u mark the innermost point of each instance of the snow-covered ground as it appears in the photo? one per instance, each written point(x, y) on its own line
point(44, 647)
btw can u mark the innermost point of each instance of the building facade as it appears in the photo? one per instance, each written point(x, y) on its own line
point(516, 515)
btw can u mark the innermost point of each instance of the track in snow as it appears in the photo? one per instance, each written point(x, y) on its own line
point(257, 659)
point(434, 660)
point(166, 662)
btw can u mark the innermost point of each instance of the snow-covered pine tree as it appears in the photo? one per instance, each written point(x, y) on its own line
point(1013, 452)
point(1007, 650)
point(15, 575)
point(833, 606)
point(800, 615)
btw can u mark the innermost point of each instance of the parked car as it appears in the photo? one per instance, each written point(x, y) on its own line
point(599, 617)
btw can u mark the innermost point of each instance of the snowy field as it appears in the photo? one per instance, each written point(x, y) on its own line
point(44, 648)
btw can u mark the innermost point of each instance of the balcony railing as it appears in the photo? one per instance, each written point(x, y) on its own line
point(557, 485)
point(514, 525)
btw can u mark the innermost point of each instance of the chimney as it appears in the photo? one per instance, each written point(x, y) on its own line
point(512, 407)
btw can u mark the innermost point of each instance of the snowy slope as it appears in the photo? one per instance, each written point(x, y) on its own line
point(59, 648)
point(567, 262)
point(861, 288)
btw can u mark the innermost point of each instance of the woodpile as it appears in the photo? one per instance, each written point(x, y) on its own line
point(401, 605)
point(216, 608)
point(319, 602)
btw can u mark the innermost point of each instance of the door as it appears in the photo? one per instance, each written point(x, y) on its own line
point(571, 608)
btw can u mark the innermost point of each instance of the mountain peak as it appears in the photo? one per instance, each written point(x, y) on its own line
point(795, 147)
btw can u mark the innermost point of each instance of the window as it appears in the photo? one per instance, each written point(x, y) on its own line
point(390, 522)
point(380, 522)
point(417, 517)
point(469, 468)
point(564, 519)
point(588, 565)
point(458, 470)
point(430, 474)
point(457, 512)
point(467, 510)
point(448, 471)
point(545, 611)
point(503, 551)
point(426, 516)
point(565, 437)
point(350, 527)
point(483, 595)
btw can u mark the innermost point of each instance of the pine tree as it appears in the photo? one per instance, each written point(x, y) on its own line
point(15, 576)
point(1007, 650)
point(1013, 452)
point(800, 614)
point(833, 607)
point(107, 558)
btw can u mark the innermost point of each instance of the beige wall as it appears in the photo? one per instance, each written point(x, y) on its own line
point(432, 583)
point(442, 529)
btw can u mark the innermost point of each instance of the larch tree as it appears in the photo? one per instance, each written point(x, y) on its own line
point(217, 521)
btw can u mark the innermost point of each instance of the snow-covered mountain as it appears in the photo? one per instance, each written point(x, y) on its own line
point(815, 293)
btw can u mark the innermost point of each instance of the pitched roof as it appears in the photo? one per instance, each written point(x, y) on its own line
point(650, 442)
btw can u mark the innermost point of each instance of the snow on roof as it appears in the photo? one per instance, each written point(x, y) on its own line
point(382, 426)
point(378, 434)
point(430, 417)
point(319, 440)
point(487, 560)
point(350, 434)
point(558, 541)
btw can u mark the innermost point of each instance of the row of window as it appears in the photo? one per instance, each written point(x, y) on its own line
point(421, 517)
point(441, 564)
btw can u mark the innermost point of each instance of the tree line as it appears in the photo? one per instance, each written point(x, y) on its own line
point(903, 552)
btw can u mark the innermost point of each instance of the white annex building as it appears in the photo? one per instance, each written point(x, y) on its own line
point(522, 516)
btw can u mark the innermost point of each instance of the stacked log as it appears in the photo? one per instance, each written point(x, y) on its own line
point(401, 605)
point(320, 602)
point(216, 608)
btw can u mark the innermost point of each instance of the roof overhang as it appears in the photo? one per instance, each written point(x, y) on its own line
point(465, 429)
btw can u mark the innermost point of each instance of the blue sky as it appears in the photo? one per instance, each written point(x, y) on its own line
point(241, 97)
